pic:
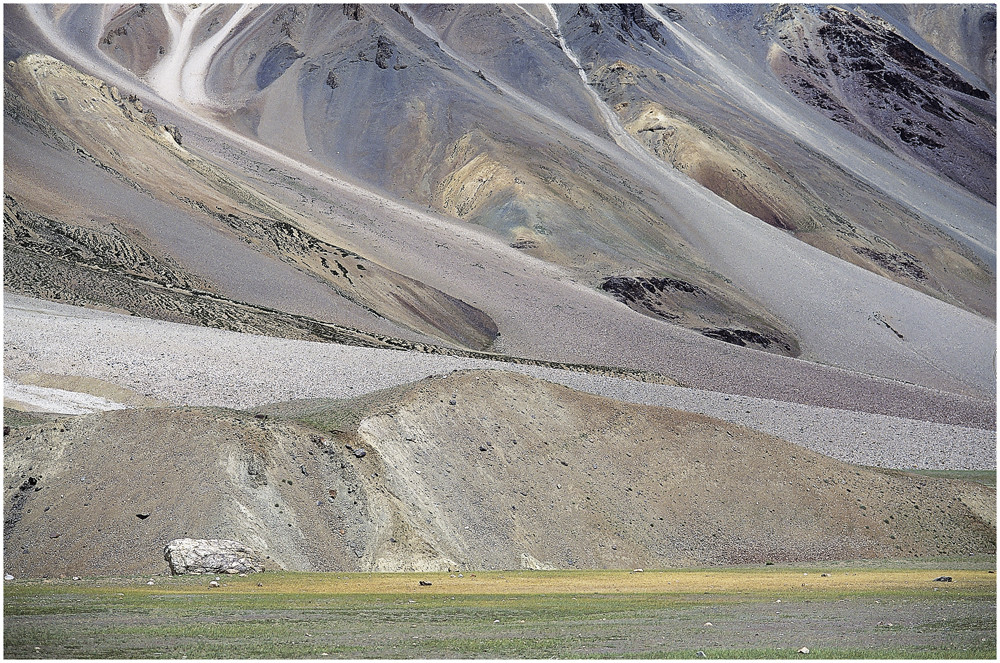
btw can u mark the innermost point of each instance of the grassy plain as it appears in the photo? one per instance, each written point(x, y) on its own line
point(857, 611)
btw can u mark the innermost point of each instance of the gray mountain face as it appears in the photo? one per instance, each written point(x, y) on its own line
point(813, 182)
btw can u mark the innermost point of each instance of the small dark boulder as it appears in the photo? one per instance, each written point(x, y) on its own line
point(943, 579)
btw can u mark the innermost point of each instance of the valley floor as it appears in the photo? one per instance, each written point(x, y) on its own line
point(886, 609)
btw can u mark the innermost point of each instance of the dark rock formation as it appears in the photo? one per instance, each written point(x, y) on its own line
point(174, 132)
point(633, 20)
point(383, 52)
point(904, 264)
point(354, 11)
point(628, 289)
point(740, 337)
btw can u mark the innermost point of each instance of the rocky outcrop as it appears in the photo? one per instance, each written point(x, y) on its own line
point(631, 20)
point(683, 302)
point(863, 73)
point(174, 132)
point(192, 556)
point(384, 52)
point(354, 11)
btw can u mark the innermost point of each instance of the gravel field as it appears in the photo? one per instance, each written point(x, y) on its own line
point(190, 365)
point(854, 437)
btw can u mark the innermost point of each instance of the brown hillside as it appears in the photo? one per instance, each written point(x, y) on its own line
point(474, 470)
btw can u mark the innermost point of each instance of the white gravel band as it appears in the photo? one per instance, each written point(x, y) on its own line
point(184, 364)
point(58, 401)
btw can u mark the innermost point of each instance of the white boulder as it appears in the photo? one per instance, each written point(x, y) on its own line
point(192, 556)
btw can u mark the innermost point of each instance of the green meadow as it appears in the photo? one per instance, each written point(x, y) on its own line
point(836, 611)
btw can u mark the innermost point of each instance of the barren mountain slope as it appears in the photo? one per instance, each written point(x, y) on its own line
point(371, 96)
point(928, 261)
point(135, 37)
point(416, 102)
point(863, 73)
point(964, 34)
point(55, 106)
point(693, 87)
point(473, 470)
point(437, 140)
